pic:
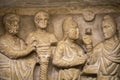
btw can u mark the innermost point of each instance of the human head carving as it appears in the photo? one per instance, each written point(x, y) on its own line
point(70, 28)
point(109, 26)
point(89, 15)
point(41, 19)
point(69, 23)
point(11, 22)
point(87, 37)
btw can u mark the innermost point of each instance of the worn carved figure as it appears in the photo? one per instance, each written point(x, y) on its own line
point(69, 57)
point(15, 48)
point(107, 53)
point(43, 41)
point(87, 39)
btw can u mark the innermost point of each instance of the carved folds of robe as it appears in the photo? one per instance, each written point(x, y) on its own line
point(16, 69)
point(66, 59)
point(108, 61)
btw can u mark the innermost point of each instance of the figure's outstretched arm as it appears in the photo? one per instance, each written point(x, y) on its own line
point(12, 53)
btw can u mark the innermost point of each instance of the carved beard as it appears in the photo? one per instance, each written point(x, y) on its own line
point(13, 30)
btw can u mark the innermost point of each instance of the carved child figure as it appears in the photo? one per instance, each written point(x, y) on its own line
point(87, 70)
point(14, 47)
point(107, 53)
point(43, 41)
point(87, 38)
point(69, 57)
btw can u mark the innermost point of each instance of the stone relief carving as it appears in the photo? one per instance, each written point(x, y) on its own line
point(105, 55)
point(89, 15)
point(42, 40)
point(70, 60)
point(87, 39)
point(15, 48)
point(69, 57)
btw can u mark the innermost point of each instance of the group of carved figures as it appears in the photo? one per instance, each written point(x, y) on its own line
point(69, 59)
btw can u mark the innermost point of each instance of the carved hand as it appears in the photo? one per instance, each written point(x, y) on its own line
point(78, 60)
point(31, 47)
point(35, 43)
point(82, 60)
point(44, 58)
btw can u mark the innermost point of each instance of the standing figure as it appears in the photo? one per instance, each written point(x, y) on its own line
point(69, 57)
point(107, 53)
point(15, 48)
point(43, 41)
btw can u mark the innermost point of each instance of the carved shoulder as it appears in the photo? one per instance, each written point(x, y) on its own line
point(30, 38)
point(59, 50)
point(61, 45)
point(97, 48)
point(2, 41)
point(53, 38)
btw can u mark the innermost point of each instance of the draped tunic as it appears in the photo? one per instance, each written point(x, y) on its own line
point(107, 61)
point(66, 58)
point(19, 69)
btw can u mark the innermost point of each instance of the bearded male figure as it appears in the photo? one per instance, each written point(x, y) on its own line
point(20, 65)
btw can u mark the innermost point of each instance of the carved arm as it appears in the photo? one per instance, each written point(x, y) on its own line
point(60, 62)
point(11, 53)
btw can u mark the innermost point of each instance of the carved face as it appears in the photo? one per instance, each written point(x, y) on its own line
point(87, 39)
point(73, 33)
point(108, 29)
point(41, 20)
point(88, 15)
point(12, 24)
point(70, 28)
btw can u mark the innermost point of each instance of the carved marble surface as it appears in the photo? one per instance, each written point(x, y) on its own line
point(70, 44)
